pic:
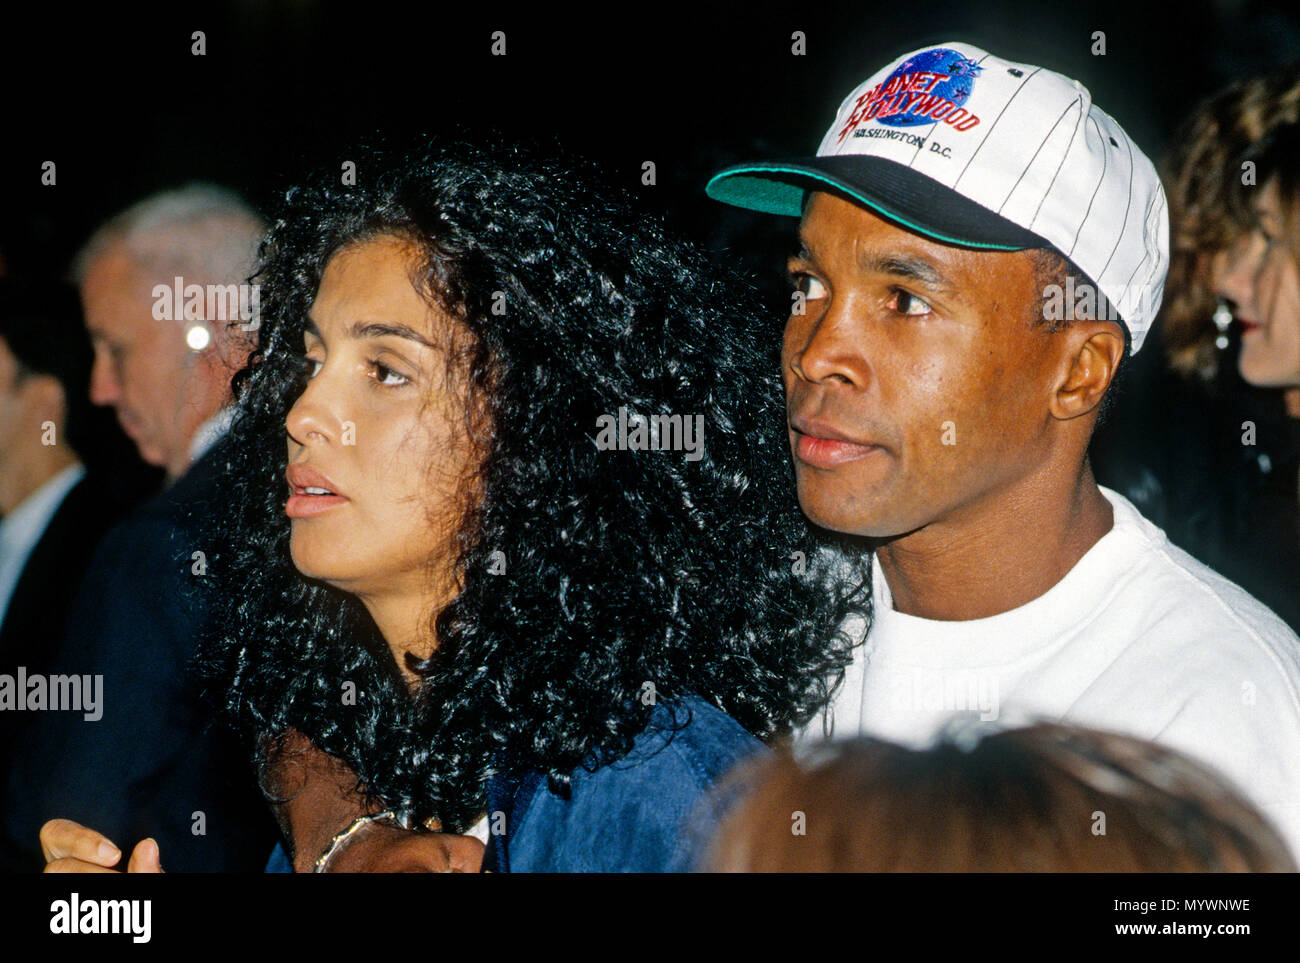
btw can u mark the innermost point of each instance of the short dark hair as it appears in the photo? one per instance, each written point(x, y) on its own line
point(1054, 269)
point(40, 321)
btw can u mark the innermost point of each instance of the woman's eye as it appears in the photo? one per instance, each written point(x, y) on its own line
point(313, 367)
point(387, 376)
point(911, 304)
point(812, 288)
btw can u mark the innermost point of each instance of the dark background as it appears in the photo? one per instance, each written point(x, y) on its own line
point(117, 100)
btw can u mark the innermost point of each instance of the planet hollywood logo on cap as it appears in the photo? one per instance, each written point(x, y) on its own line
point(960, 146)
point(927, 87)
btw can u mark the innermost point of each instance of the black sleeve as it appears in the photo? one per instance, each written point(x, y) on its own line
point(153, 763)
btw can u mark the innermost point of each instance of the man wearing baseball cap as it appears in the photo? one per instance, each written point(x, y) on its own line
point(981, 247)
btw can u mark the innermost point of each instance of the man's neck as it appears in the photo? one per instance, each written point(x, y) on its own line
point(1012, 551)
point(204, 436)
point(25, 476)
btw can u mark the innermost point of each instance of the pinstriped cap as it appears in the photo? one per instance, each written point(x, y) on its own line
point(968, 149)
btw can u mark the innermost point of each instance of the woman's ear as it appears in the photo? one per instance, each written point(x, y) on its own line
point(1094, 352)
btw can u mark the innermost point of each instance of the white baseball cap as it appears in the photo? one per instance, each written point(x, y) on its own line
point(958, 145)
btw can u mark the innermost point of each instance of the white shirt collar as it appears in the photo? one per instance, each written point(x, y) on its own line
point(22, 528)
point(210, 432)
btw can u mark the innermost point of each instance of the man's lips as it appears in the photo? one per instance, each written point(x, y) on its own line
point(312, 492)
point(822, 445)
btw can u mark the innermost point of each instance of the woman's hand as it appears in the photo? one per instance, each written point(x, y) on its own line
point(72, 848)
point(377, 848)
point(320, 797)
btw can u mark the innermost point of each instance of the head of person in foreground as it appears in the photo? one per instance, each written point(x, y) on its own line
point(1041, 798)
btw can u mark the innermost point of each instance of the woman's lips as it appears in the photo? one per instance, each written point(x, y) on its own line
point(1247, 327)
point(311, 492)
point(309, 506)
point(829, 452)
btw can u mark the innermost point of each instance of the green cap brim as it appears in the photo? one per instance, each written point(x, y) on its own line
point(779, 187)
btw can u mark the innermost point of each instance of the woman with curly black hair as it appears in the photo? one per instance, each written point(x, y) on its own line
point(541, 559)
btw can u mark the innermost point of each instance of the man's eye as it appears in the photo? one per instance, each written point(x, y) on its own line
point(911, 304)
point(812, 288)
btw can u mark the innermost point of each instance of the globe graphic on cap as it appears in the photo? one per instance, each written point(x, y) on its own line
point(960, 74)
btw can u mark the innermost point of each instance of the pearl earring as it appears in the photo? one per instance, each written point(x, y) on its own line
point(1222, 319)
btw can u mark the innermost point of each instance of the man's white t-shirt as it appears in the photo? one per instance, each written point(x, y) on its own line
point(1138, 638)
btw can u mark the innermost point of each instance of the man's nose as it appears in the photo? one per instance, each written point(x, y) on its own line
point(831, 348)
point(104, 386)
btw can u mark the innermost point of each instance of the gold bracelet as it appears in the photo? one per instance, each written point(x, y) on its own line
point(340, 837)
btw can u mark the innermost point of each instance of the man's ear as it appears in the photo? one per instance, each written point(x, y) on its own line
point(229, 348)
point(1094, 350)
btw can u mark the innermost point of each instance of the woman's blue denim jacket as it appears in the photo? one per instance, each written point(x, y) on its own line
point(646, 813)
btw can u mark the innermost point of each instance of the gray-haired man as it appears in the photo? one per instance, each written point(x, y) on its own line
point(182, 257)
point(169, 307)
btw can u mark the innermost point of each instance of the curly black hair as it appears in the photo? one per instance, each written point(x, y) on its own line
point(629, 576)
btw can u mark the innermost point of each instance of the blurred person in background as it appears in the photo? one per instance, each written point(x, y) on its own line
point(168, 307)
point(53, 512)
point(1207, 447)
point(1044, 798)
point(1258, 277)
